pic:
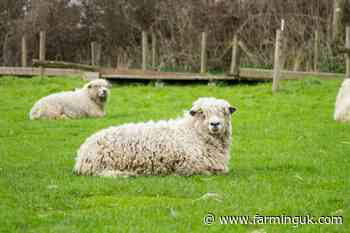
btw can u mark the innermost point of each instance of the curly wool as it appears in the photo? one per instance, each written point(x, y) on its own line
point(85, 102)
point(342, 105)
point(183, 146)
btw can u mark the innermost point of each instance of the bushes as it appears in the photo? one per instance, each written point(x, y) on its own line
point(72, 25)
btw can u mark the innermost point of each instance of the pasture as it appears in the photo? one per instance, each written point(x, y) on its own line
point(288, 157)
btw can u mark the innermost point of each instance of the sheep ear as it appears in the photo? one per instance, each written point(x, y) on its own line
point(232, 109)
point(195, 111)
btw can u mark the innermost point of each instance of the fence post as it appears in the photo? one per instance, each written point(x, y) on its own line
point(98, 54)
point(204, 53)
point(277, 62)
point(42, 51)
point(42, 47)
point(144, 50)
point(24, 51)
point(316, 50)
point(235, 59)
point(154, 50)
point(338, 14)
point(95, 53)
point(347, 45)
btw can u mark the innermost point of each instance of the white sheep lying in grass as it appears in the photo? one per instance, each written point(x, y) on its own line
point(86, 102)
point(342, 105)
point(197, 143)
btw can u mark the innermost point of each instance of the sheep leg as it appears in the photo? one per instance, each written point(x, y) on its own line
point(115, 173)
point(62, 117)
point(99, 114)
point(53, 112)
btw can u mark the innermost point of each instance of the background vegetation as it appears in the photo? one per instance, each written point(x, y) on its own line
point(72, 24)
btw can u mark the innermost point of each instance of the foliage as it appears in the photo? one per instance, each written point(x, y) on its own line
point(73, 24)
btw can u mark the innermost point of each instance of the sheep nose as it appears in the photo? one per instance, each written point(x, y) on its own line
point(215, 124)
point(104, 91)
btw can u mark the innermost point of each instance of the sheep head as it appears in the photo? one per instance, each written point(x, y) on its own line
point(98, 90)
point(212, 115)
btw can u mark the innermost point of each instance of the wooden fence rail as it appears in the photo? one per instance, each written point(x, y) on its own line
point(29, 71)
point(51, 68)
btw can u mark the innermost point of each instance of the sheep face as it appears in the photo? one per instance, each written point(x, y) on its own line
point(212, 115)
point(99, 90)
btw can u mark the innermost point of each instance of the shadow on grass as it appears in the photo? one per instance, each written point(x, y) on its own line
point(137, 82)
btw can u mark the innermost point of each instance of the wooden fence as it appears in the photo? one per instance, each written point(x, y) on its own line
point(235, 72)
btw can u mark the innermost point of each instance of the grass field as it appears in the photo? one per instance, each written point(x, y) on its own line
point(288, 157)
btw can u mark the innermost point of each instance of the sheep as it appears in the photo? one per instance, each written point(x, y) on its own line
point(342, 105)
point(197, 143)
point(88, 101)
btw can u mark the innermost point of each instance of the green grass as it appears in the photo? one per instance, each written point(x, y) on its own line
point(288, 157)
